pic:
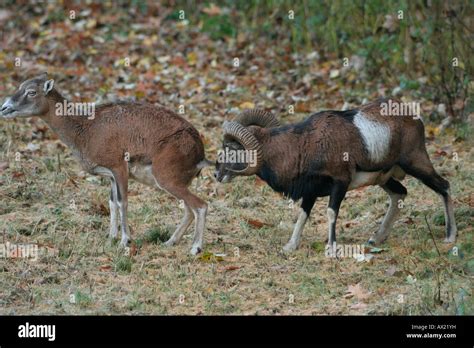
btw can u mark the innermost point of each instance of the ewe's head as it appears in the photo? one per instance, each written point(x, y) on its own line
point(30, 99)
point(241, 152)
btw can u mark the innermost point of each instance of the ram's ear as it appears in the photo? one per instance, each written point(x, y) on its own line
point(48, 86)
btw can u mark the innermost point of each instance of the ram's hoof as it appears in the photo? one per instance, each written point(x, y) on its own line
point(451, 239)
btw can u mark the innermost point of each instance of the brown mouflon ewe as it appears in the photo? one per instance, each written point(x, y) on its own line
point(148, 143)
point(332, 152)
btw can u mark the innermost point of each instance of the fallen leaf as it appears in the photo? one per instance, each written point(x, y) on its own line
point(364, 257)
point(391, 270)
point(247, 105)
point(3, 166)
point(303, 107)
point(32, 147)
point(334, 73)
point(256, 223)
point(133, 249)
point(359, 305)
point(231, 268)
point(375, 250)
point(212, 10)
point(18, 174)
point(192, 58)
point(357, 292)
point(4, 15)
point(211, 257)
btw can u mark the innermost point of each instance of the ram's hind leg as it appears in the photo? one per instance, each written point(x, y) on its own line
point(422, 169)
point(397, 192)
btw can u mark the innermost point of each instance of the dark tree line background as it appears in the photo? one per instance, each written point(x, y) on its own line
point(423, 47)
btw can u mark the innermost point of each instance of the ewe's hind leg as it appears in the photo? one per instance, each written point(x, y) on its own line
point(306, 206)
point(423, 170)
point(182, 227)
point(113, 209)
point(121, 178)
point(199, 209)
point(177, 186)
point(396, 191)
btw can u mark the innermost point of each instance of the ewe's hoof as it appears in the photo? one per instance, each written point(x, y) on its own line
point(289, 248)
point(169, 243)
point(195, 250)
point(125, 243)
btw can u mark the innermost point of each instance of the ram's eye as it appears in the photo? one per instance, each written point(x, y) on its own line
point(31, 93)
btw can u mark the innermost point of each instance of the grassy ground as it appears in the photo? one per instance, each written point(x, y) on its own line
point(45, 199)
point(64, 213)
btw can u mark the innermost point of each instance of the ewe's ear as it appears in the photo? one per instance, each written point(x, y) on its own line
point(48, 86)
point(43, 76)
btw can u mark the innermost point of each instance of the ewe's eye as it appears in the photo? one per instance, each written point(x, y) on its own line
point(31, 93)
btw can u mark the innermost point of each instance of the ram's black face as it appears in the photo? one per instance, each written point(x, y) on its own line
point(226, 169)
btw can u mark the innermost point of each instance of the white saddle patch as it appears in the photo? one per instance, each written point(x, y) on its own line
point(376, 137)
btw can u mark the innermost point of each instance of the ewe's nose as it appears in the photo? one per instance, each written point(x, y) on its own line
point(6, 106)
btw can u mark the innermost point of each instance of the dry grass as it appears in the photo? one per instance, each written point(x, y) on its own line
point(176, 64)
point(36, 207)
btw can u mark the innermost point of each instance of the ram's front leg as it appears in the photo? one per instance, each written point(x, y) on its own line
point(294, 242)
point(338, 192)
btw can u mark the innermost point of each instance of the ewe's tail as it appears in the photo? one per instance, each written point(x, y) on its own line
point(204, 163)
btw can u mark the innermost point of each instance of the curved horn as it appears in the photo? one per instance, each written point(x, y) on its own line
point(257, 117)
point(238, 132)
